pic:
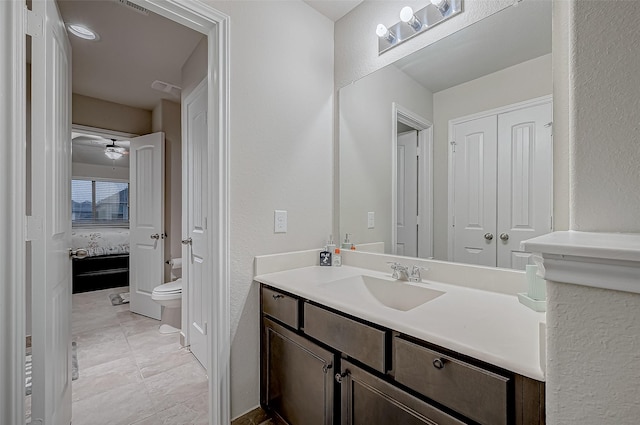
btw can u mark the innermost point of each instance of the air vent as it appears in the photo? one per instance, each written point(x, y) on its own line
point(133, 6)
point(171, 89)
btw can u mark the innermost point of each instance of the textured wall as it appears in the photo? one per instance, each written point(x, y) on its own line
point(605, 112)
point(593, 335)
point(356, 43)
point(593, 356)
point(281, 155)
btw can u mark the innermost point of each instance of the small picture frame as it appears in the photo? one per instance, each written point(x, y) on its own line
point(325, 258)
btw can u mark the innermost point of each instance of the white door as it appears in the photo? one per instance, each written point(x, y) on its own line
point(146, 222)
point(524, 181)
point(195, 199)
point(50, 224)
point(475, 155)
point(407, 193)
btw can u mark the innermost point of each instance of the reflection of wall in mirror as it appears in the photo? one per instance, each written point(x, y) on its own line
point(365, 148)
point(514, 84)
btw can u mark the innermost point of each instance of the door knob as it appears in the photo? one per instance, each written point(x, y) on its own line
point(78, 253)
point(504, 236)
point(187, 241)
point(155, 236)
point(488, 236)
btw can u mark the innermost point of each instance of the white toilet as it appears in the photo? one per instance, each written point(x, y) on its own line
point(169, 296)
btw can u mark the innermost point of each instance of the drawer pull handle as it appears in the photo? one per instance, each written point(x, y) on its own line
point(326, 367)
point(276, 296)
point(340, 376)
point(438, 363)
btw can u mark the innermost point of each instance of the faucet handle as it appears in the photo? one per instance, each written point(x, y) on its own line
point(397, 268)
point(415, 273)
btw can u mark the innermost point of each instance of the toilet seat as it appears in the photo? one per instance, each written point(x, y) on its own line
point(168, 291)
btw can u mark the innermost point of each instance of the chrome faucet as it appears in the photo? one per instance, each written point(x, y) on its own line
point(411, 274)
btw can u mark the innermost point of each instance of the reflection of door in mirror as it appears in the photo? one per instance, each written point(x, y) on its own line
point(501, 186)
point(407, 192)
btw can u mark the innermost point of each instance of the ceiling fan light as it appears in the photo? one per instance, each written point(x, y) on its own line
point(113, 153)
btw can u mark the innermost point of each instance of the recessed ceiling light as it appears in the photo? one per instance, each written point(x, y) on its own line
point(83, 32)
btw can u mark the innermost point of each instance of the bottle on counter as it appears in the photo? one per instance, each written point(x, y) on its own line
point(337, 258)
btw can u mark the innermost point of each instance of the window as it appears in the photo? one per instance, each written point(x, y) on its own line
point(99, 202)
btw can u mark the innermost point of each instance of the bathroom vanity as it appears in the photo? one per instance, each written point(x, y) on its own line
point(354, 346)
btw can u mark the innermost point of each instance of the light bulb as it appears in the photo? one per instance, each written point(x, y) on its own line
point(406, 14)
point(382, 31)
point(442, 5)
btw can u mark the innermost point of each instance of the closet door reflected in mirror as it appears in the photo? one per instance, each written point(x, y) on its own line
point(501, 186)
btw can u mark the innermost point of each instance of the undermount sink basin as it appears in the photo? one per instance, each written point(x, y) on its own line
point(399, 295)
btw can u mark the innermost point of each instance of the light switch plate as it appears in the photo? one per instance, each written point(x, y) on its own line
point(280, 221)
point(371, 220)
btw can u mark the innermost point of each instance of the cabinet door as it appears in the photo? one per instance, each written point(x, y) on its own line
point(368, 400)
point(474, 197)
point(525, 169)
point(296, 377)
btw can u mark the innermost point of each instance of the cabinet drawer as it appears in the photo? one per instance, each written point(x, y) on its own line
point(368, 400)
point(280, 306)
point(357, 340)
point(474, 392)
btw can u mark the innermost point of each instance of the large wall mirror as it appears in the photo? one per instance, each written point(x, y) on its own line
point(400, 181)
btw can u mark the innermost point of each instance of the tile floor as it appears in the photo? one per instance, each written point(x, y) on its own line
point(130, 373)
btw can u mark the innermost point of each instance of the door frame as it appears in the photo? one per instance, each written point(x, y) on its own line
point(199, 17)
point(425, 177)
point(451, 164)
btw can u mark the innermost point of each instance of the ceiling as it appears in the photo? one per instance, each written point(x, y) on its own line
point(133, 51)
point(509, 37)
point(333, 9)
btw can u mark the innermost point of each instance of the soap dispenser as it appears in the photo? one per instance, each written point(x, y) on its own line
point(347, 243)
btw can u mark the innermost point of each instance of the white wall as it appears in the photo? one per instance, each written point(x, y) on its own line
point(517, 83)
point(356, 44)
point(100, 113)
point(593, 336)
point(365, 149)
point(93, 171)
point(281, 155)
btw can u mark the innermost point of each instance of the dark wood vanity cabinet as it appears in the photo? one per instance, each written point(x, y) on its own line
point(297, 377)
point(320, 366)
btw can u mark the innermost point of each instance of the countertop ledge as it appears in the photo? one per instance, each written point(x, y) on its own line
point(491, 327)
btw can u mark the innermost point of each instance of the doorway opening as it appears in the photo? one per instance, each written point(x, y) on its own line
point(412, 184)
point(215, 29)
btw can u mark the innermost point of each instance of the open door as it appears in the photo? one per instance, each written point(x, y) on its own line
point(195, 196)
point(146, 222)
point(50, 223)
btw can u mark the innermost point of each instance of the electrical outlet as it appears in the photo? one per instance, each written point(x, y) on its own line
point(371, 220)
point(280, 221)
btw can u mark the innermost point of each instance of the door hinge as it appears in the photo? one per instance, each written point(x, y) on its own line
point(453, 146)
point(204, 328)
point(33, 228)
point(32, 23)
point(453, 221)
point(417, 220)
point(551, 223)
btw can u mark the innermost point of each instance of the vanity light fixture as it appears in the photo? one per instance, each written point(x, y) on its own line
point(83, 32)
point(412, 24)
point(407, 16)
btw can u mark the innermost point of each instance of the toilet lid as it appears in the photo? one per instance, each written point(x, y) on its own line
point(169, 288)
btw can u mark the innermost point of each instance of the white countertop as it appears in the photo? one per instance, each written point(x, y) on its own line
point(488, 326)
